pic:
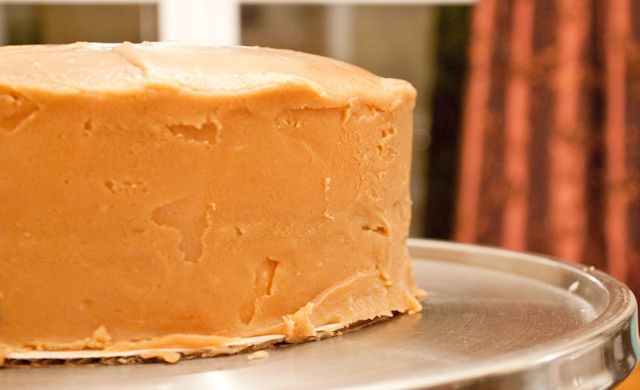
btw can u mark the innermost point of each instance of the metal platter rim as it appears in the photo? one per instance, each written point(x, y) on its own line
point(614, 321)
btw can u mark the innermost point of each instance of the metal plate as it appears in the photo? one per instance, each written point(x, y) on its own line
point(493, 319)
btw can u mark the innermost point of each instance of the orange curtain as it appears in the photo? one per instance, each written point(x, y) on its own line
point(551, 135)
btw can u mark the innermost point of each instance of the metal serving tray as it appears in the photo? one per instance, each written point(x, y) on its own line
point(493, 319)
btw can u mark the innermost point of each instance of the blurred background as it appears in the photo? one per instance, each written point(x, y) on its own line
point(527, 125)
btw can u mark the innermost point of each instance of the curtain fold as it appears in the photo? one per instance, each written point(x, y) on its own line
point(550, 152)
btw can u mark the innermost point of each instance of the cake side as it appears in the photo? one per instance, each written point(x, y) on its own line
point(149, 207)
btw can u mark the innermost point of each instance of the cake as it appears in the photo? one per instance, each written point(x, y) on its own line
point(172, 196)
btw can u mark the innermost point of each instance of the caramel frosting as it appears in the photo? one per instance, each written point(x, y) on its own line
point(173, 196)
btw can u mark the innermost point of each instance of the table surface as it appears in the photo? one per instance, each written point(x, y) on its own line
point(632, 382)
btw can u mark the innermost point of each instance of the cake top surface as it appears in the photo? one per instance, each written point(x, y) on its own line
point(217, 70)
